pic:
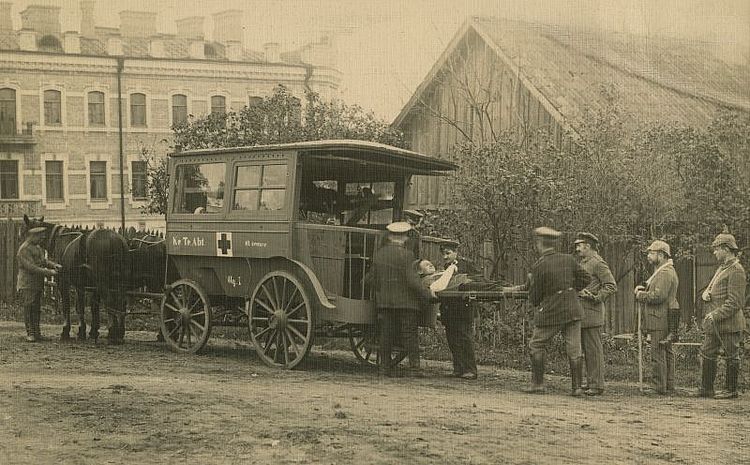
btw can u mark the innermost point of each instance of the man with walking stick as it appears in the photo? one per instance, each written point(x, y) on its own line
point(657, 298)
point(724, 322)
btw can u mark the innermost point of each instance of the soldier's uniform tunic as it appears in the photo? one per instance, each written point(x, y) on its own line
point(602, 286)
point(659, 296)
point(33, 266)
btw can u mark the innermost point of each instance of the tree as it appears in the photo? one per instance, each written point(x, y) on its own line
point(279, 118)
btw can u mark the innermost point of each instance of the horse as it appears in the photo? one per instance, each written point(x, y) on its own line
point(148, 254)
point(108, 264)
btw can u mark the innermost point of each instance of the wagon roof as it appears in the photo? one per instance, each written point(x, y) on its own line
point(345, 150)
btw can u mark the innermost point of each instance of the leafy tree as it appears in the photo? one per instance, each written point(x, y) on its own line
point(279, 118)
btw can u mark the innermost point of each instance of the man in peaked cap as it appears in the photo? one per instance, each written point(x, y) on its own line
point(414, 218)
point(457, 316)
point(399, 293)
point(33, 266)
point(724, 322)
point(554, 283)
point(592, 298)
point(659, 297)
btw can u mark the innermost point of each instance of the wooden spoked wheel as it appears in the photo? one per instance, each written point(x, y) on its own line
point(185, 317)
point(281, 320)
point(364, 342)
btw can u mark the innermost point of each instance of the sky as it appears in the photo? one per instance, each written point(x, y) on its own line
point(386, 47)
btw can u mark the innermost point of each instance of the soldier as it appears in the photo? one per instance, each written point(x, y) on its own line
point(724, 322)
point(32, 268)
point(658, 297)
point(592, 299)
point(414, 218)
point(457, 315)
point(399, 293)
point(553, 286)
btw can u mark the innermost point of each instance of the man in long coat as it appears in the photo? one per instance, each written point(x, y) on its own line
point(593, 297)
point(33, 266)
point(724, 322)
point(658, 297)
point(554, 283)
point(399, 294)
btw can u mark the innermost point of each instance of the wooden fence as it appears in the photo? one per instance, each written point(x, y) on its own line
point(9, 241)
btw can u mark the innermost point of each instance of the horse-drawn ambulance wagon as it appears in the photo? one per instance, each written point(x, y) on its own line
point(281, 235)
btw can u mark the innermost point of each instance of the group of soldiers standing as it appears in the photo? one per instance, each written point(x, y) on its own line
point(568, 296)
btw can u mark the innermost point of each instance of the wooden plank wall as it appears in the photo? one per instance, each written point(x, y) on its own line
point(9, 243)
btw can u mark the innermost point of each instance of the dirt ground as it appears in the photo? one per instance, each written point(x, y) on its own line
point(140, 403)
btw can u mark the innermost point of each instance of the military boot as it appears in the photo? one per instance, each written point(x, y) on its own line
point(28, 322)
point(673, 324)
point(537, 375)
point(730, 386)
point(576, 377)
point(707, 378)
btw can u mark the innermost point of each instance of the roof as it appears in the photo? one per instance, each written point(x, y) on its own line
point(138, 47)
point(362, 152)
point(565, 69)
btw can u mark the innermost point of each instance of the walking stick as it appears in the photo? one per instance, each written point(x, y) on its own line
point(640, 348)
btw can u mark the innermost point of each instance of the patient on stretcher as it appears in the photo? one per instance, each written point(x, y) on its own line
point(448, 279)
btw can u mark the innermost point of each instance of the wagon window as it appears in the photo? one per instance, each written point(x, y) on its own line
point(260, 187)
point(200, 188)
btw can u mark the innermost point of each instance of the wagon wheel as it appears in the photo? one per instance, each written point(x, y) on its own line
point(281, 320)
point(185, 316)
point(364, 344)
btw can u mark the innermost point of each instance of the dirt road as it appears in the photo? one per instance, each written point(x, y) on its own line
point(139, 403)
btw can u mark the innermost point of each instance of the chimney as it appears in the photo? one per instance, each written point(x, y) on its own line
point(71, 42)
point(156, 48)
point(42, 19)
point(321, 53)
point(190, 27)
point(114, 46)
point(137, 23)
point(271, 52)
point(27, 40)
point(228, 26)
point(233, 50)
point(87, 18)
point(6, 21)
point(197, 49)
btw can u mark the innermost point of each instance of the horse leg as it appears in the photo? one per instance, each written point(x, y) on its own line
point(81, 310)
point(65, 303)
point(94, 332)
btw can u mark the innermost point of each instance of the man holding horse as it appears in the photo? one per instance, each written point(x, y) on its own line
point(33, 266)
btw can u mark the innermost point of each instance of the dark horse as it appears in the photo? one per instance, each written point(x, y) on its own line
point(96, 259)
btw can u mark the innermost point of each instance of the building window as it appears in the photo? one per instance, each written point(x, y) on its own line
point(52, 107)
point(54, 181)
point(254, 101)
point(50, 43)
point(96, 108)
point(209, 51)
point(218, 105)
point(137, 109)
point(179, 109)
point(8, 179)
point(98, 177)
point(7, 111)
point(138, 179)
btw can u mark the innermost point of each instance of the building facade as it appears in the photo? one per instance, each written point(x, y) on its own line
point(65, 98)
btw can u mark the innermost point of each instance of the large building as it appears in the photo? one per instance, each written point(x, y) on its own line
point(498, 74)
point(60, 92)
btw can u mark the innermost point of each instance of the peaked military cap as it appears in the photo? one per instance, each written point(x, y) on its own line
point(660, 246)
point(399, 227)
point(37, 230)
point(547, 232)
point(587, 238)
point(449, 244)
point(413, 214)
point(725, 239)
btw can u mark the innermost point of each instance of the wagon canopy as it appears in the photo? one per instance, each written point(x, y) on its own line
point(351, 159)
